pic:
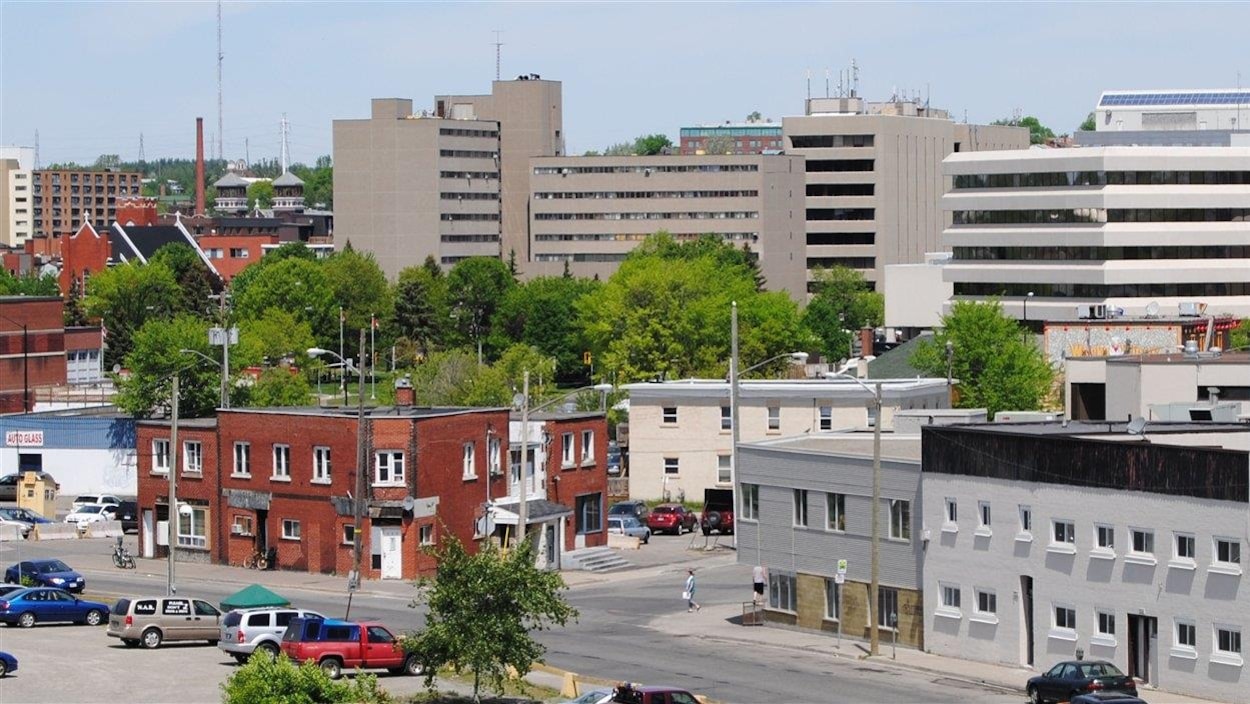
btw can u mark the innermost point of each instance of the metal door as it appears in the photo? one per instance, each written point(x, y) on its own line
point(392, 553)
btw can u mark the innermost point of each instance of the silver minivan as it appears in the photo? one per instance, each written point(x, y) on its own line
point(150, 621)
point(245, 631)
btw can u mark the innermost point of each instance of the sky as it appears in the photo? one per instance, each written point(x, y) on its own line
point(92, 77)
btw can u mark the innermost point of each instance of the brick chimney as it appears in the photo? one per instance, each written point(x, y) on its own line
point(865, 342)
point(404, 395)
point(199, 166)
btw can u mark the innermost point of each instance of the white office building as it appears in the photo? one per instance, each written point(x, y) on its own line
point(1087, 232)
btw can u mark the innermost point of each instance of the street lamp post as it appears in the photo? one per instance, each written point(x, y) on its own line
point(1027, 296)
point(171, 587)
point(25, 363)
point(874, 635)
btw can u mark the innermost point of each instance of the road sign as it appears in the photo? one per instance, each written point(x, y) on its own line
point(217, 336)
point(586, 358)
point(841, 567)
point(839, 578)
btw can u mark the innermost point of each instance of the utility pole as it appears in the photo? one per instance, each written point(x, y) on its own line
point(522, 512)
point(874, 615)
point(172, 527)
point(362, 488)
point(733, 416)
point(343, 364)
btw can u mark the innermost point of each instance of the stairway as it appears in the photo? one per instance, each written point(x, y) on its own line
point(594, 560)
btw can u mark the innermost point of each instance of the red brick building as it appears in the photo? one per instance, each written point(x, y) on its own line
point(282, 480)
point(32, 349)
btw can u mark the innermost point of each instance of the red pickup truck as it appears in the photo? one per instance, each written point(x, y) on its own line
point(334, 645)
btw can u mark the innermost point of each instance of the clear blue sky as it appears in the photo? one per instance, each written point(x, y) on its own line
point(92, 76)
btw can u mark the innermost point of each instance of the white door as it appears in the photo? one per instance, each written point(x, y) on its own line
point(392, 553)
point(149, 544)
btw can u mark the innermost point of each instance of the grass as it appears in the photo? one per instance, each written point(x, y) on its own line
point(514, 691)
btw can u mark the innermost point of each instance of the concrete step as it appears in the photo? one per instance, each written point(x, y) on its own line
point(594, 560)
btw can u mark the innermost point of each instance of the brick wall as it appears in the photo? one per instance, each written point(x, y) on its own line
point(202, 489)
point(36, 358)
point(810, 611)
point(565, 484)
point(83, 253)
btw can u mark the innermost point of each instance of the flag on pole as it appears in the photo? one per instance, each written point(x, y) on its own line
point(373, 322)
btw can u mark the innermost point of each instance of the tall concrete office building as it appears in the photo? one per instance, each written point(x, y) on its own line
point(874, 178)
point(65, 199)
point(590, 212)
point(1177, 118)
point(408, 186)
point(17, 195)
point(530, 113)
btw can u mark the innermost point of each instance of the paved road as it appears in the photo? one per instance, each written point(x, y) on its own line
point(611, 639)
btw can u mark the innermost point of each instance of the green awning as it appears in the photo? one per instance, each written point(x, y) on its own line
point(253, 597)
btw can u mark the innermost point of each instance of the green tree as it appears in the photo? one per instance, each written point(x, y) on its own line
point(30, 284)
point(260, 195)
point(318, 182)
point(421, 311)
point(1239, 337)
point(195, 281)
point(295, 285)
point(619, 149)
point(125, 296)
point(651, 144)
point(359, 287)
point(446, 378)
point(75, 308)
point(720, 144)
point(997, 366)
point(1038, 133)
point(280, 681)
point(483, 610)
point(269, 338)
point(156, 356)
point(841, 304)
point(279, 386)
point(497, 384)
point(477, 286)
point(1088, 124)
point(755, 116)
point(542, 313)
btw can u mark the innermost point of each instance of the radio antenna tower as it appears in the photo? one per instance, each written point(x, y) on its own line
point(286, 150)
point(36, 149)
point(220, 56)
point(141, 155)
point(498, 52)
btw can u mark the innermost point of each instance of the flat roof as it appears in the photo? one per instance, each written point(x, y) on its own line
point(758, 388)
point(370, 411)
point(1181, 358)
point(905, 448)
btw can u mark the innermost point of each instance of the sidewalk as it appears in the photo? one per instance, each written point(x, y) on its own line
point(715, 623)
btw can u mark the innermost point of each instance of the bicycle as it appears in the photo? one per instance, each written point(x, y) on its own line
point(256, 561)
point(122, 557)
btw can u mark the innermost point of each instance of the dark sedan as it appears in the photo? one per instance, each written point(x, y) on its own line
point(671, 518)
point(128, 513)
point(45, 573)
point(1075, 677)
point(39, 605)
point(8, 664)
point(1106, 698)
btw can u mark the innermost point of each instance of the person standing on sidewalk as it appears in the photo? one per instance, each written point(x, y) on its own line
point(757, 583)
point(691, 604)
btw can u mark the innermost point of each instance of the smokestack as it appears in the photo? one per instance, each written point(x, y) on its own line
point(199, 166)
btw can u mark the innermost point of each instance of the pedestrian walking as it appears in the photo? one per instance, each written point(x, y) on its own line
point(757, 584)
point(688, 594)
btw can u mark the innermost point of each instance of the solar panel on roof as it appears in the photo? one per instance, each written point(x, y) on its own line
point(1147, 99)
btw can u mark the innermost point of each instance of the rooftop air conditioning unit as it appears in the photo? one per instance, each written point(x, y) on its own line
point(1191, 309)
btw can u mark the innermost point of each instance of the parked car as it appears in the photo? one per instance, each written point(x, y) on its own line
point(334, 645)
point(246, 631)
point(9, 482)
point(46, 573)
point(634, 507)
point(671, 518)
point(85, 499)
point(627, 693)
point(8, 664)
point(27, 607)
point(1074, 677)
point(91, 513)
point(628, 525)
point(718, 511)
point(24, 526)
point(25, 514)
point(594, 696)
point(1106, 698)
point(10, 588)
point(128, 513)
point(151, 621)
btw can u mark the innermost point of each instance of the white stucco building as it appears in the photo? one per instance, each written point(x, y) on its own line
point(1046, 539)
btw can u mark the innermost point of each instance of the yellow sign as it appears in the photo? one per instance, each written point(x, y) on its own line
point(586, 358)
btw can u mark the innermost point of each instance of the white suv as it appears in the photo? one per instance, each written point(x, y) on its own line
point(245, 631)
point(86, 499)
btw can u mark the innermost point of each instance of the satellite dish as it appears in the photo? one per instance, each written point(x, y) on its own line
point(409, 503)
point(1137, 425)
point(1152, 309)
point(518, 400)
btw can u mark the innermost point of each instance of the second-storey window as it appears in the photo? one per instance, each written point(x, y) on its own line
point(389, 467)
point(726, 418)
point(800, 507)
point(281, 461)
point(566, 449)
point(193, 457)
point(751, 502)
point(826, 418)
point(468, 462)
point(1065, 532)
point(160, 455)
point(588, 446)
point(774, 417)
point(670, 466)
point(1227, 551)
point(835, 511)
point(900, 520)
point(243, 459)
point(321, 464)
point(668, 415)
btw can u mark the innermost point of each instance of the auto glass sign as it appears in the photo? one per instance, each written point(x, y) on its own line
point(24, 438)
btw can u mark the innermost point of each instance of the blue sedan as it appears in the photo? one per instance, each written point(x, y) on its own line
point(46, 573)
point(8, 663)
point(40, 604)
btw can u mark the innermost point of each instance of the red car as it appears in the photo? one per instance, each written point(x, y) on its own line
point(671, 518)
point(337, 645)
point(629, 693)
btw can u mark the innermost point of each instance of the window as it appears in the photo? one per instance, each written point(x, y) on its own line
point(900, 520)
point(160, 455)
point(1227, 552)
point(774, 417)
point(349, 534)
point(800, 507)
point(833, 600)
point(1065, 618)
point(588, 515)
point(1143, 541)
point(193, 528)
point(566, 450)
point(835, 511)
point(952, 511)
point(887, 607)
point(469, 464)
point(241, 525)
point(726, 418)
point(588, 446)
point(1026, 519)
point(983, 514)
point(1186, 634)
point(1106, 623)
point(243, 459)
point(826, 418)
point(670, 466)
point(987, 602)
point(290, 529)
point(668, 415)
point(724, 469)
point(1104, 537)
point(388, 467)
point(781, 590)
point(950, 597)
point(427, 534)
point(751, 502)
point(282, 462)
point(1186, 548)
point(493, 449)
point(321, 465)
point(192, 457)
point(1064, 532)
point(1228, 641)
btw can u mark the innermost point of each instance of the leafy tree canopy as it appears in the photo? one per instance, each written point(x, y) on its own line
point(296, 285)
point(1038, 133)
point(477, 286)
point(260, 195)
point(279, 386)
point(274, 335)
point(1088, 124)
point(421, 309)
point(280, 681)
point(841, 304)
point(30, 284)
point(125, 296)
point(542, 313)
point(156, 357)
point(1239, 337)
point(997, 366)
point(359, 286)
point(194, 278)
point(651, 144)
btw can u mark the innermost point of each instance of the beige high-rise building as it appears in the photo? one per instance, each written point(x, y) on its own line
point(875, 181)
point(408, 186)
point(590, 212)
point(65, 199)
point(16, 200)
point(530, 113)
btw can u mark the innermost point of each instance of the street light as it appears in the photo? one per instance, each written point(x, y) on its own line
point(874, 585)
point(346, 364)
point(25, 363)
point(1027, 296)
point(225, 392)
point(734, 376)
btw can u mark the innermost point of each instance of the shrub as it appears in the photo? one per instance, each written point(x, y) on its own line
point(264, 680)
